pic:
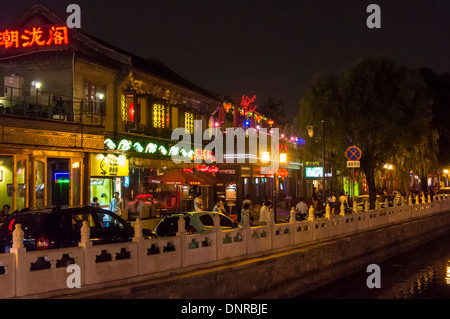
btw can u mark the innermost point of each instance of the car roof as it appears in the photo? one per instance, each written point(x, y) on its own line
point(57, 209)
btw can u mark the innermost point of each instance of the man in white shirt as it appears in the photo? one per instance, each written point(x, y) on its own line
point(198, 203)
point(301, 208)
point(264, 213)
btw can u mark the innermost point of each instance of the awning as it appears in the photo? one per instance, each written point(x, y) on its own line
point(177, 178)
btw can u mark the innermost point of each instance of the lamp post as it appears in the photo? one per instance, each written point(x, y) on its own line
point(324, 199)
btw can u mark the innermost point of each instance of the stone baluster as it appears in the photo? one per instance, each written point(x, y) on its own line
point(292, 216)
point(328, 211)
point(18, 236)
point(377, 204)
point(85, 235)
point(417, 200)
point(342, 209)
point(410, 202)
point(366, 206)
point(355, 206)
point(311, 213)
point(138, 231)
point(181, 226)
point(386, 203)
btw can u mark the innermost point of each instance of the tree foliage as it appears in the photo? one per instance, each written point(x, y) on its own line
point(380, 106)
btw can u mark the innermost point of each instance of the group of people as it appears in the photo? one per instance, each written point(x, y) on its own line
point(116, 205)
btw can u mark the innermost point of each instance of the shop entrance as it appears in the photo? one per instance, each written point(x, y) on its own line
point(58, 172)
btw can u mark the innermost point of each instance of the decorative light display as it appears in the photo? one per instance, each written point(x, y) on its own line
point(138, 147)
point(34, 37)
point(160, 118)
point(247, 104)
point(151, 148)
point(189, 121)
point(270, 122)
point(124, 145)
point(110, 144)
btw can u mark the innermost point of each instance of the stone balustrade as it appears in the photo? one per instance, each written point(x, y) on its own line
point(24, 274)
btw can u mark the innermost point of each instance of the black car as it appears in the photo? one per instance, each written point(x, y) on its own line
point(61, 227)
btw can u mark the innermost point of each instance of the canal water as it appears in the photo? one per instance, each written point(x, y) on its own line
point(423, 273)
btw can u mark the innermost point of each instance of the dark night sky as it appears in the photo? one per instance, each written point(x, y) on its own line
point(271, 48)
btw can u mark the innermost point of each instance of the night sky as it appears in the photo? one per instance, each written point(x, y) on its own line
point(270, 48)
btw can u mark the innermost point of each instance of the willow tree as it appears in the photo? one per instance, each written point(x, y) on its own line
point(379, 106)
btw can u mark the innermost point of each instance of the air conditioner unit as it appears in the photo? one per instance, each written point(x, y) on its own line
point(13, 84)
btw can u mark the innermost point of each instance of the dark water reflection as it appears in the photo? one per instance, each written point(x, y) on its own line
point(423, 273)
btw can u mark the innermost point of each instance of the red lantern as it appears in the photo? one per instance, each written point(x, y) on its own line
point(227, 106)
point(131, 112)
point(213, 169)
point(202, 168)
point(270, 122)
point(187, 170)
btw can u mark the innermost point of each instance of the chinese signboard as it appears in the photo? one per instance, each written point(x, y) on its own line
point(35, 36)
point(109, 165)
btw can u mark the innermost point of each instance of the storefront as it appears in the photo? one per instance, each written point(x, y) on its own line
point(108, 174)
point(57, 181)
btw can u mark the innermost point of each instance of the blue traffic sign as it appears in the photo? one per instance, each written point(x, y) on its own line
point(353, 153)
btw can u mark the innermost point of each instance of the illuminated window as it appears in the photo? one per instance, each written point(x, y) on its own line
point(94, 95)
point(189, 121)
point(160, 116)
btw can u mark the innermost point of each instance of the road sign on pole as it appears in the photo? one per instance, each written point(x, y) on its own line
point(353, 153)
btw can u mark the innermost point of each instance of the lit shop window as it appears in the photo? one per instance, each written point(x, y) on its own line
point(189, 121)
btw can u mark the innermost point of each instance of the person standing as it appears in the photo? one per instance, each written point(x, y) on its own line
point(95, 202)
point(198, 203)
point(4, 213)
point(245, 212)
point(265, 213)
point(116, 205)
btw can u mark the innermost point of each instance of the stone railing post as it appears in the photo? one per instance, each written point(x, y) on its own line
point(377, 204)
point(85, 235)
point(355, 206)
point(386, 203)
point(292, 215)
point(182, 234)
point(20, 251)
point(342, 209)
point(311, 213)
point(138, 238)
point(328, 211)
point(366, 206)
point(417, 200)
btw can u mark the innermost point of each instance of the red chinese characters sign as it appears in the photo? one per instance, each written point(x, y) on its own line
point(34, 37)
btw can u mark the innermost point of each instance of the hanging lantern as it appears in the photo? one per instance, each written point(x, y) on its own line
point(258, 118)
point(270, 122)
point(213, 169)
point(202, 168)
point(227, 107)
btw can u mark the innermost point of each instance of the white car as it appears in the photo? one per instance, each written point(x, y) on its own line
point(195, 222)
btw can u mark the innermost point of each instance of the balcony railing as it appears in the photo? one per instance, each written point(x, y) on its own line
point(44, 105)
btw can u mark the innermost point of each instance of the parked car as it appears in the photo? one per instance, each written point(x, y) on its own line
point(60, 227)
point(195, 222)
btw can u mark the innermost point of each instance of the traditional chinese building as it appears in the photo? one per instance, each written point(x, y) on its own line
point(82, 118)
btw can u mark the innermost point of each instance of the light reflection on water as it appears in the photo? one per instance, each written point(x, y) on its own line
point(423, 273)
